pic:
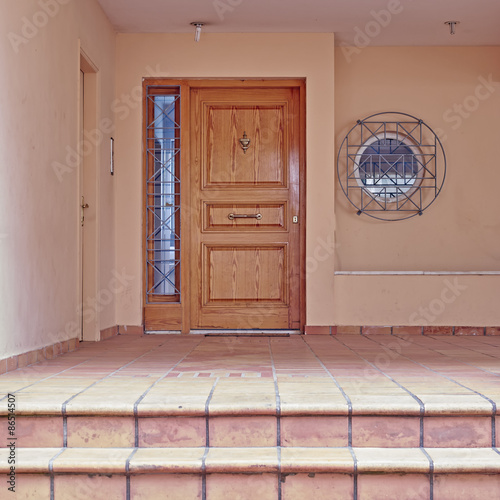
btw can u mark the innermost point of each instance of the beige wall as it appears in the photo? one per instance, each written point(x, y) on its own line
point(461, 230)
point(228, 55)
point(39, 254)
point(458, 233)
point(39, 250)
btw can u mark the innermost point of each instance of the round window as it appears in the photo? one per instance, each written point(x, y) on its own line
point(391, 166)
point(388, 166)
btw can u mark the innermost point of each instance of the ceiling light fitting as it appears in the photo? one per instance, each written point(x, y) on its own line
point(452, 25)
point(197, 31)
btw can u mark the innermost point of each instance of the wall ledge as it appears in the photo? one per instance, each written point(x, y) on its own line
point(417, 273)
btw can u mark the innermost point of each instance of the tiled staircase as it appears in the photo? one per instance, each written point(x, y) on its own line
point(259, 419)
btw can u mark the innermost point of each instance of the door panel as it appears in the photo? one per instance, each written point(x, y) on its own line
point(244, 274)
point(216, 217)
point(245, 258)
point(264, 163)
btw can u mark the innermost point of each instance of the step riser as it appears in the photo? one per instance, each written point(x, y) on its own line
point(262, 486)
point(255, 431)
point(184, 419)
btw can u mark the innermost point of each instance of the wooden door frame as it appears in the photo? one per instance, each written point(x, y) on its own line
point(88, 186)
point(176, 316)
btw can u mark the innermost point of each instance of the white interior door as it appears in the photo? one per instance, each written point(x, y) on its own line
point(89, 308)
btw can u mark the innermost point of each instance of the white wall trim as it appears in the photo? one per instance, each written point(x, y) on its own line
point(417, 273)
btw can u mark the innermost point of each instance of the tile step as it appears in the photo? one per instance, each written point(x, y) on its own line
point(309, 430)
point(266, 473)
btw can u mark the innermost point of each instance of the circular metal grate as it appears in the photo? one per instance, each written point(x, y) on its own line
point(391, 166)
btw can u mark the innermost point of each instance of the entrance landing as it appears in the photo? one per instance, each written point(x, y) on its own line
point(216, 418)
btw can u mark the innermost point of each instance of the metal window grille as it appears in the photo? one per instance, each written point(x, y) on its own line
point(163, 231)
point(391, 166)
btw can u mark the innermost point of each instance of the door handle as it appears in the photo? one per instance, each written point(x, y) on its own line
point(83, 206)
point(244, 216)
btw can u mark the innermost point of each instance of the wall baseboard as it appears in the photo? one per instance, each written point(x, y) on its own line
point(130, 330)
point(37, 355)
point(112, 331)
point(107, 333)
point(402, 330)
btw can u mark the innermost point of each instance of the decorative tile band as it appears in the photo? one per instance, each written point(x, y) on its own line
point(401, 330)
point(32, 357)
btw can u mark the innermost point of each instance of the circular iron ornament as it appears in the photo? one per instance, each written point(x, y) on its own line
point(391, 166)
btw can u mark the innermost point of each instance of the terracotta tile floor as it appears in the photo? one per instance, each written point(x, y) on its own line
point(224, 418)
point(332, 374)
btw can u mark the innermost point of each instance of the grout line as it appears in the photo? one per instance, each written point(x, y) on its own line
point(280, 477)
point(204, 474)
point(443, 339)
point(63, 408)
point(146, 392)
point(493, 404)
point(44, 379)
point(422, 430)
point(493, 425)
point(355, 475)
point(277, 395)
point(36, 351)
point(431, 473)
point(127, 471)
point(449, 356)
point(418, 400)
point(278, 417)
point(339, 387)
point(493, 419)
point(65, 431)
point(51, 472)
point(207, 413)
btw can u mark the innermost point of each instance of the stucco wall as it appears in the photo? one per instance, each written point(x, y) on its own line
point(39, 251)
point(456, 91)
point(39, 243)
point(458, 233)
point(232, 56)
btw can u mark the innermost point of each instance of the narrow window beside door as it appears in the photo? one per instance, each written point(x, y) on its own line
point(163, 238)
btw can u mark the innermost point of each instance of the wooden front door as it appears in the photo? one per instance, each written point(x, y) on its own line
point(245, 226)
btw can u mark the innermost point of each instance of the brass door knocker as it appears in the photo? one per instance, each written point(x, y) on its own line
point(245, 142)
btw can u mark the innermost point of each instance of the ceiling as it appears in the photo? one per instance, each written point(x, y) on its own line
point(412, 22)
